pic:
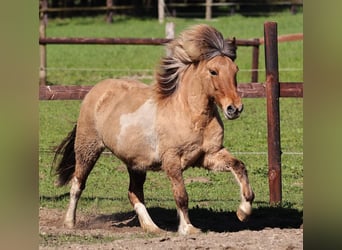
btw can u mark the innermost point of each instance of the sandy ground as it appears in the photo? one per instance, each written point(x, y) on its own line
point(268, 229)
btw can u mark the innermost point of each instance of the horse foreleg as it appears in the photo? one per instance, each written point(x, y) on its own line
point(136, 197)
point(224, 161)
point(181, 198)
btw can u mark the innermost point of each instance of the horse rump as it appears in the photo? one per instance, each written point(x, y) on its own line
point(65, 167)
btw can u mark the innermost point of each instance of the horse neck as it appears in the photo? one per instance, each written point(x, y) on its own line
point(193, 93)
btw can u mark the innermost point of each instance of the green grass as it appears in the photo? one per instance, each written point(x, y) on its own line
point(106, 190)
point(87, 64)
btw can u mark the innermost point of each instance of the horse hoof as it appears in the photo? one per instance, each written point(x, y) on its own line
point(188, 230)
point(242, 215)
point(69, 224)
point(194, 230)
point(153, 229)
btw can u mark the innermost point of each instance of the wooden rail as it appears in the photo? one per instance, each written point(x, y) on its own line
point(44, 41)
point(125, 41)
point(44, 9)
point(246, 90)
point(234, 5)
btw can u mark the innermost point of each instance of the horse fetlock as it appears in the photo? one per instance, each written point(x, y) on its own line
point(248, 194)
point(187, 229)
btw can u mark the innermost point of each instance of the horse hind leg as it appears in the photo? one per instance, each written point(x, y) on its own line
point(87, 152)
point(136, 197)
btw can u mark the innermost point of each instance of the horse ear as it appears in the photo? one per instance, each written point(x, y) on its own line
point(231, 48)
point(232, 42)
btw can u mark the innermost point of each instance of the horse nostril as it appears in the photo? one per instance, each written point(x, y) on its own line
point(231, 109)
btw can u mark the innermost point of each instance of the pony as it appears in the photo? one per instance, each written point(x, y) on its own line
point(170, 125)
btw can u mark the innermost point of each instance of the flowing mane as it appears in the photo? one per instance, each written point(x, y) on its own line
point(200, 42)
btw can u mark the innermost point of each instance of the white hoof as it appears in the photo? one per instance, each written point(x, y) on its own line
point(145, 220)
point(188, 229)
point(244, 211)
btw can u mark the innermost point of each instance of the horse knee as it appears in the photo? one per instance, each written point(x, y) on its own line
point(238, 167)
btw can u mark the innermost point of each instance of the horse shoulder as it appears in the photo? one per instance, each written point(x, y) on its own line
point(213, 134)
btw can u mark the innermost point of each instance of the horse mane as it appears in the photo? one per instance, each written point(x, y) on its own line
point(199, 42)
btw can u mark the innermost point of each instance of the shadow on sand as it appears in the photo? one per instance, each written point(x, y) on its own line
point(209, 220)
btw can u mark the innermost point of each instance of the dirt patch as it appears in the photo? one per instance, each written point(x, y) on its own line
point(269, 228)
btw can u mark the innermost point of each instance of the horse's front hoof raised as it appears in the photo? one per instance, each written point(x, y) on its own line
point(244, 211)
point(242, 215)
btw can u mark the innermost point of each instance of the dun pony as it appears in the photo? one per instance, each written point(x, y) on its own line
point(169, 125)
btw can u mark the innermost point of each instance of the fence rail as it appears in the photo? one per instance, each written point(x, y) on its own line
point(109, 8)
point(93, 8)
point(126, 41)
point(246, 90)
point(44, 41)
point(254, 43)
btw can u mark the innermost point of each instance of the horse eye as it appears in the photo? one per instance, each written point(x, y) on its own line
point(213, 72)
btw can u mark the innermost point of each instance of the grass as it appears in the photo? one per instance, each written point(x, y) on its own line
point(87, 64)
point(106, 190)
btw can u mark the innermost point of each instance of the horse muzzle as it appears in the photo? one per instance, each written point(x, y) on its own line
point(232, 112)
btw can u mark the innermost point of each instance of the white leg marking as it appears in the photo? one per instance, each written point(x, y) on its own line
point(75, 193)
point(246, 207)
point(144, 218)
point(184, 228)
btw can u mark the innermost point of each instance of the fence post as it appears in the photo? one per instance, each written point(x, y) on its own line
point(208, 14)
point(170, 30)
point(109, 16)
point(161, 6)
point(273, 117)
point(42, 47)
point(255, 60)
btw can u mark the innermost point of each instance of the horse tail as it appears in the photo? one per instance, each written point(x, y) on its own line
point(66, 166)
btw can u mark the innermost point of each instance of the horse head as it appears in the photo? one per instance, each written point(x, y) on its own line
point(203, 47)
point(220, 80)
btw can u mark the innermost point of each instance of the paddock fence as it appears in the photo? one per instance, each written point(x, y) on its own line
point(272, 89)
point(204, 8)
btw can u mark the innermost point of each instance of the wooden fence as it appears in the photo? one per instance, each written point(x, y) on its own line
point(205, 6)
point(109, 9)
point(232, 6)
point(43, 41)
point(272, 89)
